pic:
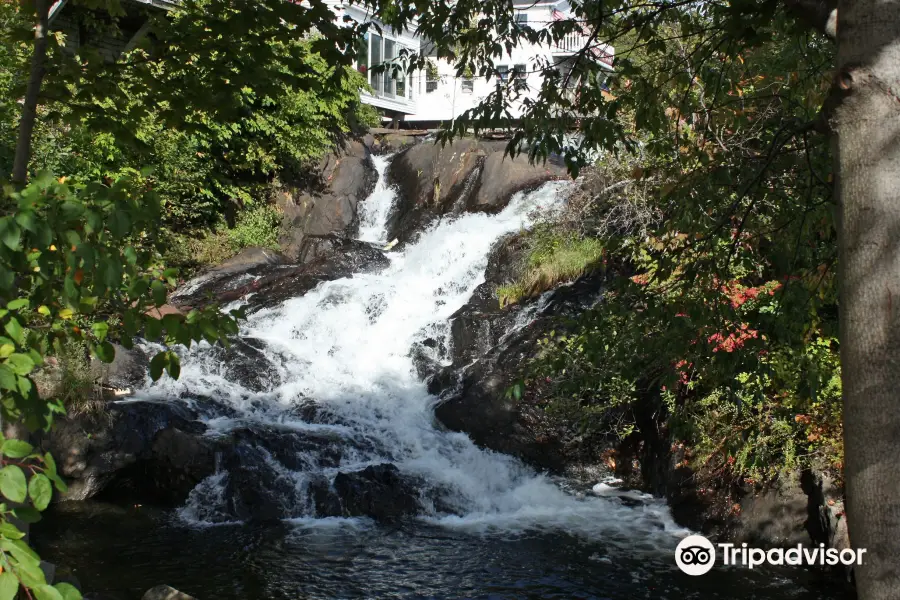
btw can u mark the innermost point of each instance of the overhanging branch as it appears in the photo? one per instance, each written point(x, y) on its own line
point(821, 15)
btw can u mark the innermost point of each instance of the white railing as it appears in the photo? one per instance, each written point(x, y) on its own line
point(571, 43)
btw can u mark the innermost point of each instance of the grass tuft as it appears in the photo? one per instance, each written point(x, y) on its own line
point(555, 257)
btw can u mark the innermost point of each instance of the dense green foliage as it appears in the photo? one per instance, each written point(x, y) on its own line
point(179, 141)
point(211, 135)
point(721, 312)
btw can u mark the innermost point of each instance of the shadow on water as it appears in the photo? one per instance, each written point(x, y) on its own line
point(117, 554)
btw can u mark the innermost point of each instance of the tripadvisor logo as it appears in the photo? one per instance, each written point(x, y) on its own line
point(696, 555)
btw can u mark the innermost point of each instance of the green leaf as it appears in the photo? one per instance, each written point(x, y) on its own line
point(17, 304)
point(27, 514)
point(20, 363)
point(14, 330)
point(152, 328)
point(12, 483)
point(7, 378)
point(9, 586)
point(22, 553)
point(30, 572)
point(106, 352)
point(9, 530)
point(10, 233)
point(100, 330)
point(157, 364)
point(24, 385)
point(16, 448)
point(40, 491)
point(68, 591)
point(49, 462)
point(6, 350)
point(174, 366)
point(158, 289)
point(26, 220)
point(46, 592)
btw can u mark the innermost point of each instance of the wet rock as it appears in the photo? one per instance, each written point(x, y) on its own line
point(325, 499)
point(325, 257)
point(245, 362)
point(432, 179)
point(503, 176)
point(329, 204)
point(330, 257)
point(479, 325)
point(490, 349)
point(475, 401)
point(164, 592)
point(154, 451)
point(127, 371)
point(428, 356)
point(254, 490)
point(466, 175)
point(378, 491)
point(394, 142)
point(230, 275)
point(296, 451)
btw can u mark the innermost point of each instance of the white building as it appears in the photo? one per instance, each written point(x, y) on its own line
point(437, 94)
point(394, 95)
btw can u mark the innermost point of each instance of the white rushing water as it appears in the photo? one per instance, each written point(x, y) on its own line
point(374, 212)
point(346, 345)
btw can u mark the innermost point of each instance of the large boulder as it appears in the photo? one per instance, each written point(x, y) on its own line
point(490, 351)
point(154, 451)
point(327, 204)
point(378, 491)
point(232, 275)
point(465, 175)
point(127, 371)
point(502, 176)
point(432, 179)
point(327, 257)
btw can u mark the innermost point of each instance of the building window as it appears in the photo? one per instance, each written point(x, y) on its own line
point(468, 85)
point(519, 71)
point(390, 52)
point(362, 55)
point(375, 60)
point(521, 18)
point(503, 72)
point(431, 77)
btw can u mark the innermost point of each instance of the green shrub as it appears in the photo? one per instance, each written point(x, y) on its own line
point(256, 227)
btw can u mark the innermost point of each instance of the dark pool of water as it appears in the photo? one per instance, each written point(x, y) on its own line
point(119, 554)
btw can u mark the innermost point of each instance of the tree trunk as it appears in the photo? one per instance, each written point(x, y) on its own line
point(29, 106)
point(866, 124)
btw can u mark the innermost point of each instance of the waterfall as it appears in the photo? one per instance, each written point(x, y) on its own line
point(374, 211)
point(345, 346)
